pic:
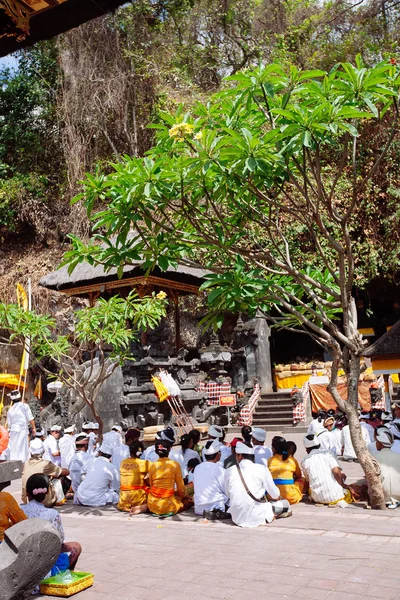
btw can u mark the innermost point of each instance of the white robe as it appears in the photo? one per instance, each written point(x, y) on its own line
point(67, 449)
point(245, 511)
point(18, 418)
point(77, 463)
point(119, 454)
point(209, 487)
point(226, 452)
point(150, 454)
point(113, 438)
point(183, 459)
point(389, 462)
point(100, 485)
point(262, 454)
point(52, 445)
point(348, 450)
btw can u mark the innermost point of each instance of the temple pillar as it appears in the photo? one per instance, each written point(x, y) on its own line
point(263, 354)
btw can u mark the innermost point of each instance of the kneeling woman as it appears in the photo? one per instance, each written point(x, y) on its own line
point(286, 471)
point(37, 487)
point(167, 490)
point(133, 490)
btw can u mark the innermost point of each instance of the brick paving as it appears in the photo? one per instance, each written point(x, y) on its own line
point(319, 553)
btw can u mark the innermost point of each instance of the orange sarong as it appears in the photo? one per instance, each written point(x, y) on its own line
point(161, 492)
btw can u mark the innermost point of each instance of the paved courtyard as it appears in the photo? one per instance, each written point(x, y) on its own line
point(319, 553)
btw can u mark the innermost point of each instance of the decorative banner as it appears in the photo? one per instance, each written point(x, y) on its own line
point(227, 400)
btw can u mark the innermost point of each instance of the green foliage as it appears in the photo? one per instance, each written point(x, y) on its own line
point(279, 148)
point(109, 327)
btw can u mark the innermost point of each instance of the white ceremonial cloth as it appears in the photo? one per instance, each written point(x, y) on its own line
point(262, 454)
point(369, 429)
point(183, 459)
point(52, 445)
point(100, 484)
point(92, 443)
point(78, 461)
point(113, 438)
point(317, 468)
point(336, 441)
point(389, 462)
point(67, 449)
point(119, 454)
point(209, 487)
point(314, 427)
point(150, 454)
point(18, 418)
point(348, 450)
point(245, 511)
point(325, 440)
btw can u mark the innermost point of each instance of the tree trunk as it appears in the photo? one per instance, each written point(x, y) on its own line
point(98, 419)
point(369, 465)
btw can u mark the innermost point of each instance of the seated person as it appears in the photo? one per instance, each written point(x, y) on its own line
point(192, 464)
point(215, 432)
point(168, 435)
point(133, 490)
point(10, 512)
point(231, 460)
point(286, 471)
point(37, 464)
point(79, 459)
point(261, 452)
point(183, 454)
point(100, 485)
point(210, 498)
point(321, 470)
point(196, 435)
point(37, 488)
point(166, 496)
point(121, 452)
point(246, 486)
point(389, 463)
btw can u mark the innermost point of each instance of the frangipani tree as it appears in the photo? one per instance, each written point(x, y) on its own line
point(276, 162)
point(101, 339)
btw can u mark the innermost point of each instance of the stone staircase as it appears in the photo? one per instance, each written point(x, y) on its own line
point(274, 412)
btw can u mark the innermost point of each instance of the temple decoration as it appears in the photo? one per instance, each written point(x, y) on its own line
point(25, 22)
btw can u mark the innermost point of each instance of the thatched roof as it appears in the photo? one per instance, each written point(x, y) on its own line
point(388, 345)
point(25, 22)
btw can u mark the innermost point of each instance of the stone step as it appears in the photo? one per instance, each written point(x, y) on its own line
point(273, 405)
point(267, 414)
point(272, 420)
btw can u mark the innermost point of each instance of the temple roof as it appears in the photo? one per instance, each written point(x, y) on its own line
point(388, 345)
point(86, 279)
point(25, 22)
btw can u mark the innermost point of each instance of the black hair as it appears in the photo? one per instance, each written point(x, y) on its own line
point(292, 448)
point(162, 448)
point(195, 435)
point(248, 457)
point(280, 445)
point(36, 482)
point(185, 442)
point(105, 454)
point(192, 463)
point(321, 415)
point(136, 449)
point(246, 433)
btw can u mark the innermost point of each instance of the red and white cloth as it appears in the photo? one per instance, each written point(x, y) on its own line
point(213, 390)
point(299, 411)
point(246, 414)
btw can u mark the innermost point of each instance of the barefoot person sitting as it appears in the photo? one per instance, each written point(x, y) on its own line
point(167, 490)
point(133, 490)
point(286, 471)
point(37, 487)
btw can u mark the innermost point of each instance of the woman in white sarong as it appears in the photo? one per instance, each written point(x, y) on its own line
point(19, 417)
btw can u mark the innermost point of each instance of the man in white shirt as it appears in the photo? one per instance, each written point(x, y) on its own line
point(389, 463)
point(121, 452)
point(52, 445)
point(261, 452)
point(67, 446)
point(210, 498)
point(364, 417)
point(113, 437)
point(215, 432)
point(325, 478)
point(19, 417)
point(89, 428)
point(101, 482)
point(347, 444)
point(79, 460)
point(246, 486)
